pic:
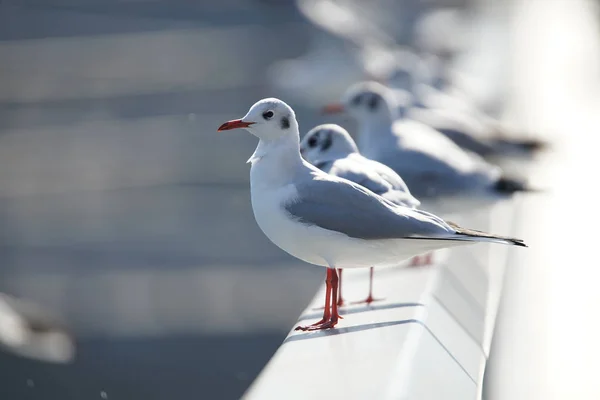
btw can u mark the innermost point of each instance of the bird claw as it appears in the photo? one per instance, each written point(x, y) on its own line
point(366, 301)
point(317, 326)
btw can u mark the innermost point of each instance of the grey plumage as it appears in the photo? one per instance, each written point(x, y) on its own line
point(469, 142)
point(348, 208)
point(374, 176)
point(472, 233)
point(444, 168)
point(342, 206)
point(330, 148)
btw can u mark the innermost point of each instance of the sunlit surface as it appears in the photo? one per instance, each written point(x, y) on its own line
point(546, 345)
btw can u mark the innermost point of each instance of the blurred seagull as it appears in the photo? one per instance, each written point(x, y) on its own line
point(330, 148)
point(411, 45)
point(439, 104)
point(29, 331)
point(431, 164)
point(329, 221)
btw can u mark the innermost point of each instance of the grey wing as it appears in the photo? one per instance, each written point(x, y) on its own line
point(400, 193)
point(427, 183)
point(468, 142)
point(401, 198)
point(431, 164)
point(364, 173)
point(388, 174)
point(342, 206)
point(463, 129)
point(358, 174)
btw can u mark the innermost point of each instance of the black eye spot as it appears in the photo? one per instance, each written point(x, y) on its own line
point(285, 123)
point(356, 100)
point(268, 115)
point(327, 141)
point(373, 102)
point(312, 142)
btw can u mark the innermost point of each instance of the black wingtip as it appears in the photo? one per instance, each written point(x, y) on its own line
point(476, 233)
point(518, 242)
point(524, 145)
point(533, 145)
point(506, 185)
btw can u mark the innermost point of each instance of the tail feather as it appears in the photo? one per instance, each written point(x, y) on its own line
point(523, 145)
point(532, 145)
point(472, 234)
point(507, 185)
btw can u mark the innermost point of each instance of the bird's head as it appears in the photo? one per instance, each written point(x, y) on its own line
point(326, 143)
point(268, 119)
point(367, 101)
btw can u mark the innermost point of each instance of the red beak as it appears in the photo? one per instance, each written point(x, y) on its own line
point(234, 124)
point(333, 108)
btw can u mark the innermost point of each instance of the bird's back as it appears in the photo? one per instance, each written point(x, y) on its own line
point(430, 163)
point(373, 175)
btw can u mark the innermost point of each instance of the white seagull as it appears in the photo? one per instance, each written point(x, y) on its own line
point(329, 221)
point(30, 331)
point(330, 148)
point(442, 106)
point(430, 163)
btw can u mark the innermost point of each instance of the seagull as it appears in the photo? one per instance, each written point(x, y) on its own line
point(439, 104)
point(432, 165)
point(329, 221)
point(330, 148)
point(30, 331)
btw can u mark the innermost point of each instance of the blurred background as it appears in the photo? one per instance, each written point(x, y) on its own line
point(126, 216)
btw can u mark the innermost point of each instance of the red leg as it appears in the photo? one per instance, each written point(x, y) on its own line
point(420, 261)
point(428, 259)
point(335, 282)
point(329, 320)
point(327, 308)
point(369, 298)
point(340, 299)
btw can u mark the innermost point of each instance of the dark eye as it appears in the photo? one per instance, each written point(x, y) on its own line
point(268, 114)
point(327, 141)
point(373, 102)
point(356, 100)
point(312, 142)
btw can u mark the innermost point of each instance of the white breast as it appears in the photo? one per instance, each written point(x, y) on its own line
point(291, 236)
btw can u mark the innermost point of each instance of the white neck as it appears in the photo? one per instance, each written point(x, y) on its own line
point(275, 162)
point(371, 131)
point(333, 155)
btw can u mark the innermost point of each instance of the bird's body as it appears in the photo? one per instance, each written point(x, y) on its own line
point(375, 176)
point(430, 163)
point(30, 331)
point(330, 221)
point(438, 104)
point(473, 132)
point(331, 149)
point(279, 211)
